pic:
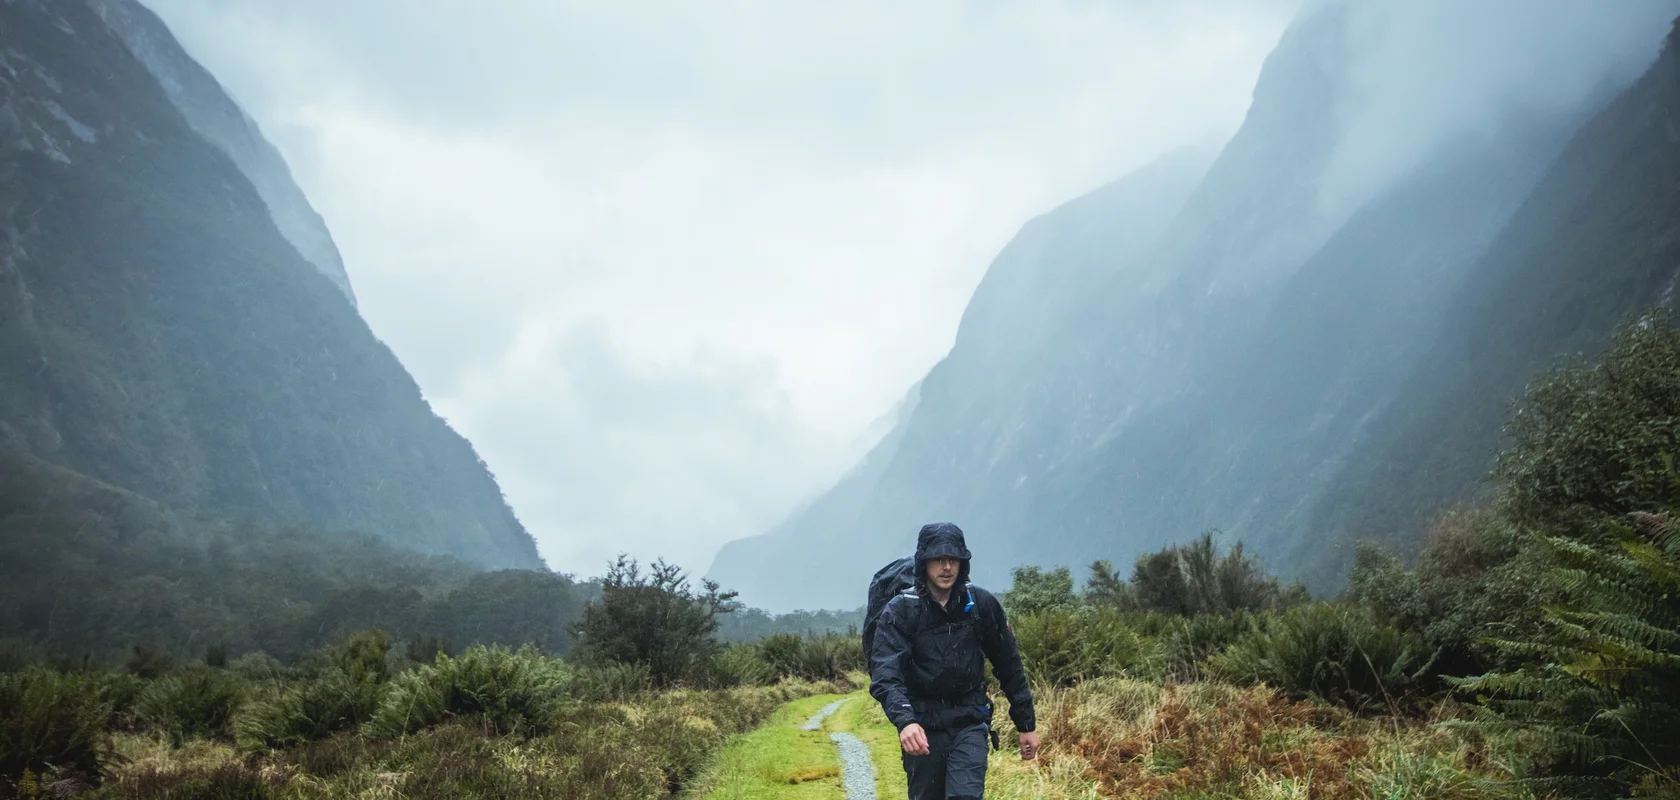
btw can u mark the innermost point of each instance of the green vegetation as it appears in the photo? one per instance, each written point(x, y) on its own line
point(89, 570)
point(781, 760)
point(656, 620)
point(362, 714)
point(357, 716)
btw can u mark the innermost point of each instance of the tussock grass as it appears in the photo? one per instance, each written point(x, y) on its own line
point(1122, 738)
point(651, 746)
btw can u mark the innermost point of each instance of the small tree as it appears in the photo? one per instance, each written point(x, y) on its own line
point(656, 620)
point(1159, 583)
point(1197, 579)
point(1106, 588)
point(1036, 590)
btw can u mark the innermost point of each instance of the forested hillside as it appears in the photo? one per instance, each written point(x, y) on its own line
point(159, 334)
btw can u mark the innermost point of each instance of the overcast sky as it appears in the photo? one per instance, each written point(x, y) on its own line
point(665, 268)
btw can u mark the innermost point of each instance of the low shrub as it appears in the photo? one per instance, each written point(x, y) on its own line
point(610, 683)
point(510, 692)
point(740, 665)
point(818, 658)
point(1184, 644)
point(1062, 646)
point(1339, 654)
point(51, 721)
point(193, 702)
point(149, 661)
point(257, 666)
point(121, 691)
point(781, 653)
point(308, 709)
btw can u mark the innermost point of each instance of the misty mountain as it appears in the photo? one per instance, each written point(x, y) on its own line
point(175, 322)
point(1253, 345)
point(1597, 240)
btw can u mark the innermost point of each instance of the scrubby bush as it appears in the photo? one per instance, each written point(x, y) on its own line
point(1340, 654)
point(148, 661)
point(193, 702)
point(1182, 645)
point(307, 709)
point(781, 653)
point(739, 665)
point(338, 696)
point(511, 692)
point(610, 683)
point(817, 658)
point(257, 666)
point(121, 692)
point(1478, 573)
point(1594, 439)
point(1063, 646)
point(1198, 579)
point(49, 721)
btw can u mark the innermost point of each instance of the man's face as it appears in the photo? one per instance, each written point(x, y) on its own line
point(942, 572)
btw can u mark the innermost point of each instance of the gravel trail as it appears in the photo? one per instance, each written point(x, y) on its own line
point(817, 721)
point(857, 774)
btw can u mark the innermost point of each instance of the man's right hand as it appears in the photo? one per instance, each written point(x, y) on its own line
point(913, 739)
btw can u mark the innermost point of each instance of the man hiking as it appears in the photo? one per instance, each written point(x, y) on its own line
point(927, 670)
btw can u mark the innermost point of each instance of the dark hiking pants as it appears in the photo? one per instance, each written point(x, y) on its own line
point(955, 766)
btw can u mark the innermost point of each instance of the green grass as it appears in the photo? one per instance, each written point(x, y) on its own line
point(1007, 776)
point(780, 760)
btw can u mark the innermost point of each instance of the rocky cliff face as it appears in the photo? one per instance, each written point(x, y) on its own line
point(173, 318)
point(1220, 369)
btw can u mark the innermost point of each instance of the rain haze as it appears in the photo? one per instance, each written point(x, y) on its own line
point(665, 270)
point(668, 271)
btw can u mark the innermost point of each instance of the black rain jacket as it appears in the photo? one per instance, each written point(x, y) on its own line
point(928, 661)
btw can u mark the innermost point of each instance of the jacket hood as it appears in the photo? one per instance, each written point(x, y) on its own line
point(938, 539)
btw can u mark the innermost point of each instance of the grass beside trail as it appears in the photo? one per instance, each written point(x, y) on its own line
point(1007, 776)
point(779, 760)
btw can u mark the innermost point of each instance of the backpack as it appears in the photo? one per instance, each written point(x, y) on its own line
point(888, 582)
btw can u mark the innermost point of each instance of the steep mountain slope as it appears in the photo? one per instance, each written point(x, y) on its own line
point(1029, 297)
point(1598, 241)
point(1222, 375)
point(208, 109)
point(160, 334)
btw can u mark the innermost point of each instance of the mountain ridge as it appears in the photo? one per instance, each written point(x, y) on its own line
point(160, 333)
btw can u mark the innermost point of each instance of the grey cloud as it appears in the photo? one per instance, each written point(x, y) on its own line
point(663, 268)
point(844, 77)
point(1427, 71)
point(685, 454)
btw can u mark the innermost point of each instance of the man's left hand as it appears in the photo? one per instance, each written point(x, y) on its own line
point(1029, 746)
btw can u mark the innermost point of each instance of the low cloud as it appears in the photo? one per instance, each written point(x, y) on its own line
point(664, 269)
point(1424, 72)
